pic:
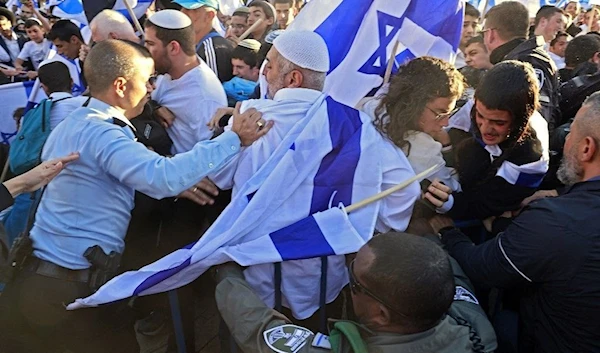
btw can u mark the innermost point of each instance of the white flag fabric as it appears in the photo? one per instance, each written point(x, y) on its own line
point(361, 34)
point(329, 158)
point(14, 95)
point(73, 9)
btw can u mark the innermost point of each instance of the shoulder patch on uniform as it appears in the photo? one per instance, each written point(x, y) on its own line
point(540, 77)
point(286, 338)
point(464, 295)
point(321, 341)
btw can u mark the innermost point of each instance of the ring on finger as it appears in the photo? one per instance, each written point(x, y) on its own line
point(195, 189)
point(260, 124)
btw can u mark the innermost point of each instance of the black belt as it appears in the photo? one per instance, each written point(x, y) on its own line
point(49, 269)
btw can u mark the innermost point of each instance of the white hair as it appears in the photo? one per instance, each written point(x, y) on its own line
point(310, 79)
point(110, 21)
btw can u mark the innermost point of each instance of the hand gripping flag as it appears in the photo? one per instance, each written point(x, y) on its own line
point(361, 34)
point(330, 157)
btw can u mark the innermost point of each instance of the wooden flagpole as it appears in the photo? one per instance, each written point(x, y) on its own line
point(381, 195)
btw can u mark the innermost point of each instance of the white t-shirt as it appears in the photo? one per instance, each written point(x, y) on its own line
point(193, 99)
point(36, 52)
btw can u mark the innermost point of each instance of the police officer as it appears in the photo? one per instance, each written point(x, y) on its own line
point(88, 205)
point(504, 35)
point(404, 293)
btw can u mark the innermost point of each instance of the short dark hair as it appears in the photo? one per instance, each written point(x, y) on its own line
point(265, 6)
point(55, 75)
point(184, 36)
point(289, 2)
point(547, 11)
point(477, 40)
point(249, 56)
point(557, 38)
point(63, 30)
point(241, 14)
point(510, 19)
point(511, 86)
point(471, 10)
point(33, 22)
point(110, 59)
point(402, 106)
point(581, 49)
point(406, 269)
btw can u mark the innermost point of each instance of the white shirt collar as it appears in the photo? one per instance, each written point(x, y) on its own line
point(60, 95)
point(301, 94)
point(13, 37)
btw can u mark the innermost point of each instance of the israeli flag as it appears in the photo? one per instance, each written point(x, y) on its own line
point(74, 9)
point(329, 158)
point(361, 35)
point(14, 95)
point(70, 10)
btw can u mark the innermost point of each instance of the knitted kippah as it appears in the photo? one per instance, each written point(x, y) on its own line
point(304, 48)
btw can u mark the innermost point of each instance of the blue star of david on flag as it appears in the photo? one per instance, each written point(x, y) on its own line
point(361, 34)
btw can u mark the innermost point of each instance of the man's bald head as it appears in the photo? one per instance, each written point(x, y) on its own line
point(110, 24)
point(111, 59)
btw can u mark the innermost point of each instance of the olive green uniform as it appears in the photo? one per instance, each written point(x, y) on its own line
point(258, 328)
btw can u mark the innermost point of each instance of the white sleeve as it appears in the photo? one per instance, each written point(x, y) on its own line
point(25, 53)
point(396, 210)
point(4, 56)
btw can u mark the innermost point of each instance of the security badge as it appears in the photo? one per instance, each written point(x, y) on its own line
point(539, 74)
point(464, 295)
point(286, 338)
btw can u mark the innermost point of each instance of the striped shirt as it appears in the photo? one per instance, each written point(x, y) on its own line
point(216, 52)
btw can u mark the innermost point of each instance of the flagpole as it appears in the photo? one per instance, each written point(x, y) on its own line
point(251, 29)
point(136, 23)
point(381, 195)
point(390, 65)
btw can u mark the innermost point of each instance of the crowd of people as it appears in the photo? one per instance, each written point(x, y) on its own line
point(497, 250)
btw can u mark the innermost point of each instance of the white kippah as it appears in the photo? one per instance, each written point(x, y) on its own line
point(304, 48)
point(170, 19)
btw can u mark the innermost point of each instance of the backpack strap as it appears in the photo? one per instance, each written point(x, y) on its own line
point(347, 331)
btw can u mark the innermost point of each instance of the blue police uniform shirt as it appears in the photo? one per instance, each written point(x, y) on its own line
point(89, 203)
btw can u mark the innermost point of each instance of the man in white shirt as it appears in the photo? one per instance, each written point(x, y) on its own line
point(557, 48)
point(189, 92)
point(295, 72)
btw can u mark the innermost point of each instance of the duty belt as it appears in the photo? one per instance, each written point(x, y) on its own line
point(49, 269)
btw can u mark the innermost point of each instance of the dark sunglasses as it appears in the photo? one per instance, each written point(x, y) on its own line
point(356, 287)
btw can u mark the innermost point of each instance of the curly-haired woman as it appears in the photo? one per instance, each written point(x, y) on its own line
point(413, 112)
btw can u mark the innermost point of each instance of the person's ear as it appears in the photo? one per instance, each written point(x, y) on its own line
point(295, 79)
point(113, 35)
point(588, 149)
point(120, 86)
point(173, 48)
point(45, 88)
point(383, 317)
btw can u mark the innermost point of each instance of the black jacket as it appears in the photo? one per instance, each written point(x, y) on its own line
point(532, 51)
point(553, 249)
point(484, 193)
point(20, 39)
point(216, 52)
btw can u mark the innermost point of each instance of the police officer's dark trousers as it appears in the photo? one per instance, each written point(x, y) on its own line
point(33, 317)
